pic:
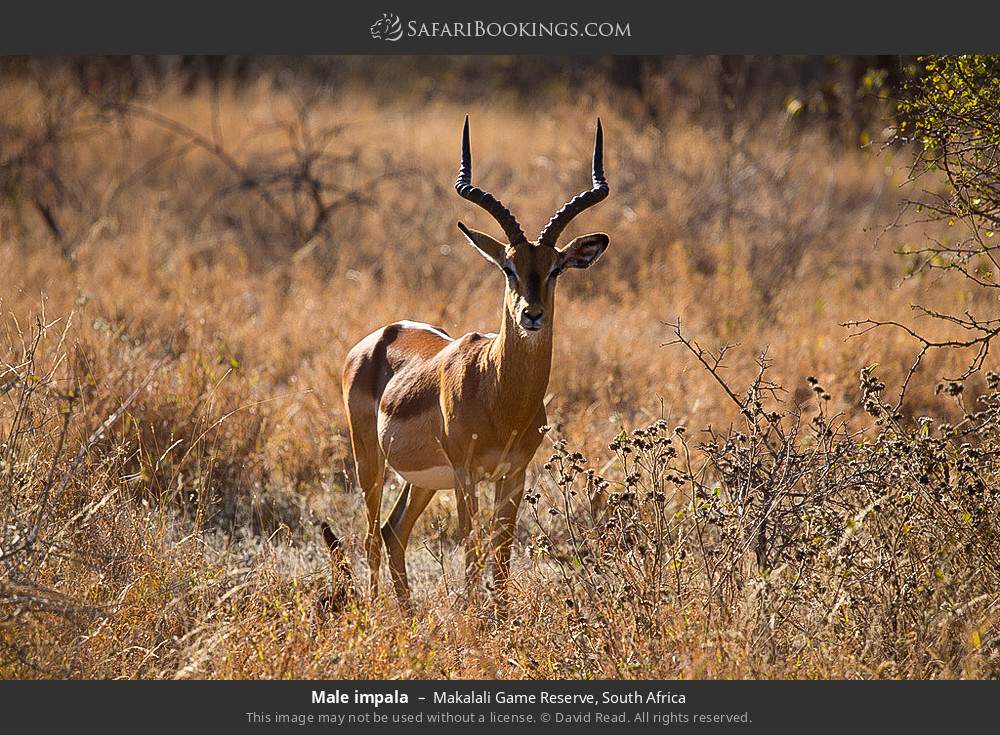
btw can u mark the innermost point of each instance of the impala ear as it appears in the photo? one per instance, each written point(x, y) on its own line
point(584, 251)
point(493, 250)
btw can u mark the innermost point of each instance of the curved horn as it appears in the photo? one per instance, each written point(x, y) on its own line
point(465, 189)
point(583, 200)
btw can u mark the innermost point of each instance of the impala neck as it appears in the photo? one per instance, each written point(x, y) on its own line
point(522, 361)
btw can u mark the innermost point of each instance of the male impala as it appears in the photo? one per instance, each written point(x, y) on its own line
point(449, 413)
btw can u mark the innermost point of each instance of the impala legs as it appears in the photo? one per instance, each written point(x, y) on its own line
point(412, 501)
point(411, 504)
point(369, 462)
point(467, 502)
point(508, 492)
point(396, 534)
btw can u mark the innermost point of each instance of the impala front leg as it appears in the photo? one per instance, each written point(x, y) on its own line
point(507, 499)
point(468, 518)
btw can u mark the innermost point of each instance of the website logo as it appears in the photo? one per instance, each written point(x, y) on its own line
point(387, 28)
point(391, 28)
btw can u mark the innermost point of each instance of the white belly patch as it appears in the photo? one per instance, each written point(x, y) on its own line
point(432, 478)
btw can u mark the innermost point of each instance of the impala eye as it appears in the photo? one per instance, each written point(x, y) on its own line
point(510, 273)
point(556, 272)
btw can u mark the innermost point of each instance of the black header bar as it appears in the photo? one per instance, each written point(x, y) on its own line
point(511, 27)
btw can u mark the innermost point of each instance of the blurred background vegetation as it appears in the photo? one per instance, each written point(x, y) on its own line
point(190, 245)
point(843, 91)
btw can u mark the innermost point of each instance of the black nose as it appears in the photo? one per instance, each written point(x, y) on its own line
point(532, 317)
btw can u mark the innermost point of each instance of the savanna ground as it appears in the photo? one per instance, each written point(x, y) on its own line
point(185, 262)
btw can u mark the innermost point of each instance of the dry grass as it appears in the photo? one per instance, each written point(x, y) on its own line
point(180, 539)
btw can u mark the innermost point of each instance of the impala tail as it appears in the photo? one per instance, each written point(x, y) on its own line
point(342, 589)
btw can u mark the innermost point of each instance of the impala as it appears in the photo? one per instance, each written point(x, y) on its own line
point(451, 413)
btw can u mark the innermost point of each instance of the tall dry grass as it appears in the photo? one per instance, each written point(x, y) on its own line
point(176, 309)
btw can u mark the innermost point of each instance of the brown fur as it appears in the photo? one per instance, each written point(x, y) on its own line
point(418, 399)
point(447, 412)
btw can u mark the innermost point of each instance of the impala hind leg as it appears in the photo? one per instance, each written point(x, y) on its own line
point(396, 535)
point(370, 464)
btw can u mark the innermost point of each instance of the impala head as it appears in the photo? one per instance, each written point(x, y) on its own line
point(531, 268)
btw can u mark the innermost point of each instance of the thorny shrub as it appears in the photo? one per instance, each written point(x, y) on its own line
point(794, 528)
